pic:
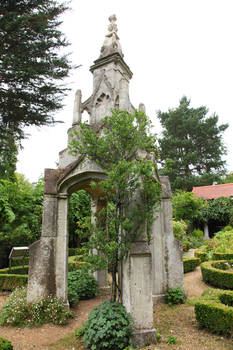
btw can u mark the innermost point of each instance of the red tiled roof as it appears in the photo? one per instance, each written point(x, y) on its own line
point(214, 191)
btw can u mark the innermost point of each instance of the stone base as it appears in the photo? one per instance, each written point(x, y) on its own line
point(158, 299)
point(144, 337)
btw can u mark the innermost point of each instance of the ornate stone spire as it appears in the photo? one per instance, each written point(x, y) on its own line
point(111, 43)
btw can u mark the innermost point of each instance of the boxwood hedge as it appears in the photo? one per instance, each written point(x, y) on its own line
point(222, 256)
point(214, 311)
point(217, 274)
point(203, 256)
point(190, 264)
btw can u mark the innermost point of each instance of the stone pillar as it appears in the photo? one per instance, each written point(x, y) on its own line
point(61, 269)
point(136, 287)
point(206, 232)
point(101, 276)
point(167, 260)
point(77, 115)
point(41, 278)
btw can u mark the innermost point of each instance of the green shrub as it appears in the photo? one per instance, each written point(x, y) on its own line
point(11, 281)
point(16, 270)
point(212, 311)
point(213, 273)
point(109, 327)
point(190, 264)
point(19, 313)
point(222, 256)
point(203, 256)
point(179, 229)
point(227, 228)
point(175, 296)
point(5, 344)
point(20, 261)
point(191, 242)
point(171, 339)
point(81, 285)
point(197, 233)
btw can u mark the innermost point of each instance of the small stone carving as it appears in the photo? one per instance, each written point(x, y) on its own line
point(111, 43)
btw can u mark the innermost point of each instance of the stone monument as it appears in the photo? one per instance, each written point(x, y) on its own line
point(148, 271)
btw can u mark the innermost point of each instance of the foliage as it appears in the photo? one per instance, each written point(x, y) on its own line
point(32, 67)
point(222, 243)
point(211, 307)
point(191, 146)
point(81, 285)
point(179, 229)
point(79, 217)
point(202, 255)
point(109, 327)
point(175, 296)
point(190, 264)
point(124, 148)
point(18, 312)
point(214, 274)
point(5, 344)
point(186, 206)
point(171, 339)
point(20, 214)
point(12, 281)
point(198, 233)
point(219, 209)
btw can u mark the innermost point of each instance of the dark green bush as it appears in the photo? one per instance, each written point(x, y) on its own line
point(212, 311)
point(19, 313)
point(5, 344)
point(81, 285)
point(109, 327)
point(190, 264)
point(175, 296)
point(222, 256)
point(20, 261)
point(15, 270)
point(11, 281)
point(203, 256)
point(215, 276)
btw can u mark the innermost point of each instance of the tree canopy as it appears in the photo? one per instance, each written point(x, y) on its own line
point(191, 146)
point(32, 66)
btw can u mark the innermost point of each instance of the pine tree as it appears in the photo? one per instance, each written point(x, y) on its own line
point(191, 146)
point(31, 66)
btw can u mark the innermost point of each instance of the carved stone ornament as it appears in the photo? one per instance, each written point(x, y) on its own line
point(111, 43)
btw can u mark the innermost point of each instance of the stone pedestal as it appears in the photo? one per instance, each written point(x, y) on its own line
point(167, 260)
point(136, 284)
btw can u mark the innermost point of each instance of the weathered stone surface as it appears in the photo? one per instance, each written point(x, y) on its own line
point(144, 337)
point(49, 221)
point(41, 279)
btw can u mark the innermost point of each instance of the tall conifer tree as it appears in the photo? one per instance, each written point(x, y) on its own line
point(191, 146)
point(31, 67)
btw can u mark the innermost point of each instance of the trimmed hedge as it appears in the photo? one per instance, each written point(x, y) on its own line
point(213, 273)
point(12, 281)
point(16, 270)
point(203, 256)
point(190, 264)
point(222, 256)
point(214, 311)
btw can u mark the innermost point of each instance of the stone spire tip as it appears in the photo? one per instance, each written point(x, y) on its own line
point(111, 43)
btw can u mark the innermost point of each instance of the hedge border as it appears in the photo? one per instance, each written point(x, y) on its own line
point(217, 277)
point(203, 256)
point(190, 264)
point(222, 256)
point(212, 314)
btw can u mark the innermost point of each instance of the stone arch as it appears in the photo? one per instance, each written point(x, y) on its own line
point(48, 271)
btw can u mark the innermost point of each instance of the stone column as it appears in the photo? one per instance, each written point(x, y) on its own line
point(101, 276)
point(167, 260)
point(136, 288)
point(77, 115)
point(61, 270)
point(41, 278)
point(206, 232)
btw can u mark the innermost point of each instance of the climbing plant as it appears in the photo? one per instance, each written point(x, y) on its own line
point(125, 149)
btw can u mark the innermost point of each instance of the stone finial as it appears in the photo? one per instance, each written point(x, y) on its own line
point(142, 108)
point(77, 116)
point(111, 43)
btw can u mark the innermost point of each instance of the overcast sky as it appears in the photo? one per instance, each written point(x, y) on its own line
point(173, 48)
